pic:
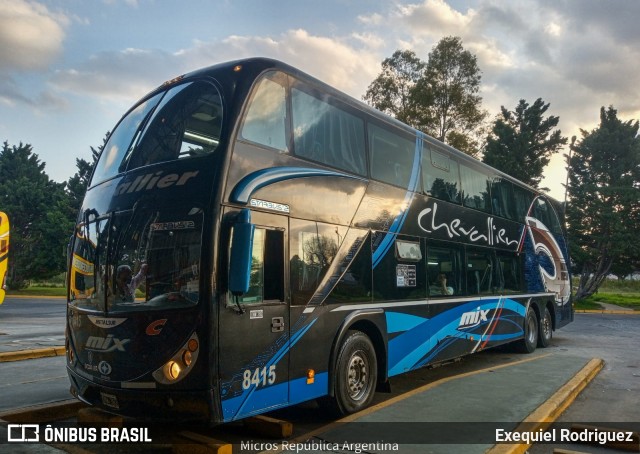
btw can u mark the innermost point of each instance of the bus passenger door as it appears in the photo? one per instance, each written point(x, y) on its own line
point(254, 328)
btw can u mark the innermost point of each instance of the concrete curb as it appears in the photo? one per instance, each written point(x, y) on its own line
point(606, 311)
point(32, 354)
point(549, 411)
point(43, 413)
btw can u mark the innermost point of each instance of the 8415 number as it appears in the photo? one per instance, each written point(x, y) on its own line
point(259, 377)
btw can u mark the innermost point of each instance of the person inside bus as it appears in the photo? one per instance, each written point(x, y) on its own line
point(440, 287)
point(126, 283)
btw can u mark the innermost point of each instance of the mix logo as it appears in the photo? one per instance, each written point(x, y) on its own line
point(473, 318)
point(106, 344)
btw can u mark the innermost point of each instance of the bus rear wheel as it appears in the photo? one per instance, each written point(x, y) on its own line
point(356, 373)
point(546, 329)
point(530, 341)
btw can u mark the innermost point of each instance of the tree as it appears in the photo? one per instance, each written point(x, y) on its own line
point(522, 141)
point(447, 95)
point(77, 185)
point(604, 200)
point(440, 97)
point(37, 207)
point(392, 91)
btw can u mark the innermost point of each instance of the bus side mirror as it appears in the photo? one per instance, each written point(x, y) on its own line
point(241, 250)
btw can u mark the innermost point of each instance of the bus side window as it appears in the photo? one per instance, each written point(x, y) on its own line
point(327, 134)
point(265, 120)
point(440, 175)
point(544, 212)
point(475, 189)
point(484, 274)
point(511, 271)
point(522, 201)
point(391, 156)
point(444, 271)
point(314, 245)
point(502, 201)
point(266, 283)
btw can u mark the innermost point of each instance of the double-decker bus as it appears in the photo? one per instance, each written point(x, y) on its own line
point(253, 238)
point(4, 252)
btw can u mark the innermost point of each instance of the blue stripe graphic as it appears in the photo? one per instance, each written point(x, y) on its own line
point(420, 343)
point(245, 188)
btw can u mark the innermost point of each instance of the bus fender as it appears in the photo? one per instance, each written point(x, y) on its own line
point(371, 322)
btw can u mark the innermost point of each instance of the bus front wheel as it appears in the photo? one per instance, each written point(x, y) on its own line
point(530, 341)
point(356, 373)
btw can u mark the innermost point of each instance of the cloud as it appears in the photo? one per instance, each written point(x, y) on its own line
point(126, 74)
point(131, 73)
point(31, 36)
point(433, 18)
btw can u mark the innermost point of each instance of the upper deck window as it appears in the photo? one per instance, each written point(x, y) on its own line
point(544, 212)
point(327, 134)
point(182, 122)
point(475, 189)
point(440, 174)
point(265, 122)
point(391, 156)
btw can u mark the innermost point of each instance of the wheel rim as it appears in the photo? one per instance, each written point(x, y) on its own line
point(546, 327)
point(357, 376)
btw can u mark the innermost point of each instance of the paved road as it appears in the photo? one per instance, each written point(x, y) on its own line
point(613, 397)
point(29, 323)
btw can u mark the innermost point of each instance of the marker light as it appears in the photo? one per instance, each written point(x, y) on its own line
point(187, 358)
point(192, 345)
point(311, 376)
point(237, 68)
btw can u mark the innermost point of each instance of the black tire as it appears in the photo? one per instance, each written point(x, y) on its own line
point(530, 341)
point(545, 333)
point(356, 373)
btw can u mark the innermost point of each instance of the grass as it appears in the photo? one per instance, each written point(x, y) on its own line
point(628, 300)
point(36, 290)
point(621, 293)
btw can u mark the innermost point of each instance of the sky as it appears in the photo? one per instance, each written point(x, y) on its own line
point(69, 69)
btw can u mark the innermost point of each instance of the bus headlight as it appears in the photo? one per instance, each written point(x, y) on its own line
point(180, 364)
point(171, 371)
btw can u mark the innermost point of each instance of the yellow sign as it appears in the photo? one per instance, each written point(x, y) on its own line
point(4, 252)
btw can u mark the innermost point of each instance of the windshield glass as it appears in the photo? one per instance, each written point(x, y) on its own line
point(137, 260)
point(122, 141)
point(182, 122)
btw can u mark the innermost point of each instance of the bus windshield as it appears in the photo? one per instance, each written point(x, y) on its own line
point(138, 260)
point(183, 122)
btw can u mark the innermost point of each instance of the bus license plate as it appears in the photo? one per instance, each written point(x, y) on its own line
point(109, 400)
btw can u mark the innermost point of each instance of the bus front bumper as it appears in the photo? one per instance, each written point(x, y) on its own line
point(145, 404)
